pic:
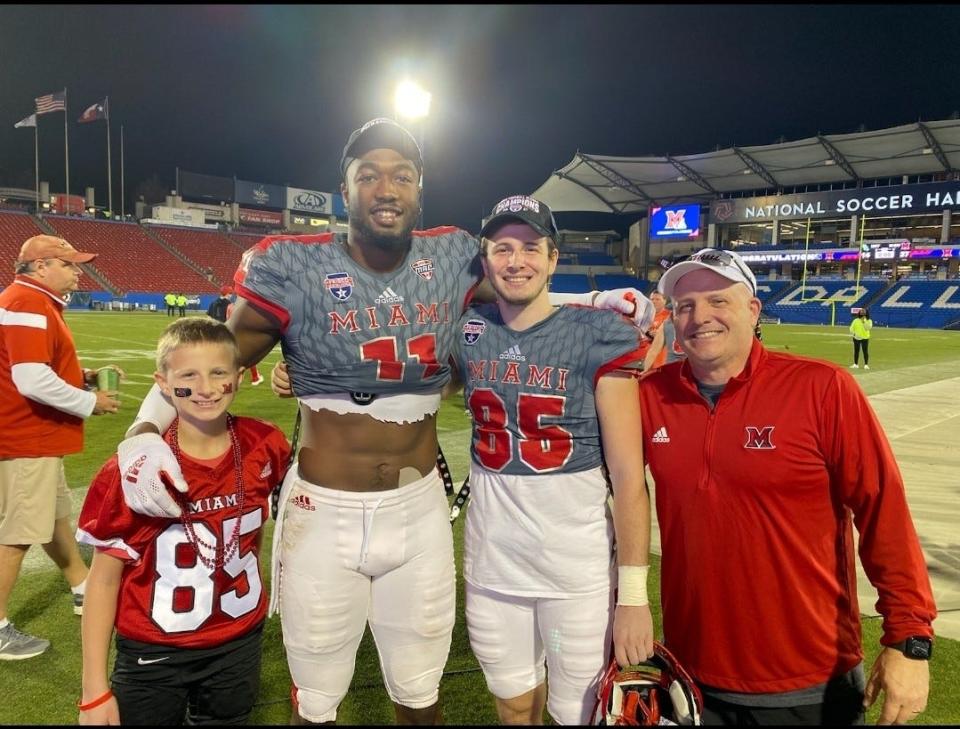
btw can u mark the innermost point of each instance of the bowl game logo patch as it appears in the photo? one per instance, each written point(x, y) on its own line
point(339, 284)
point(472, 330)
point(423, 268)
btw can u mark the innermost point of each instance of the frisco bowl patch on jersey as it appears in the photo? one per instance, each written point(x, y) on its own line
point(423, 267)
point(472, 330)
point(339, 284)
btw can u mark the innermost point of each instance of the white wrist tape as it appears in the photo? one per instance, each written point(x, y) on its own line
point(632, 585)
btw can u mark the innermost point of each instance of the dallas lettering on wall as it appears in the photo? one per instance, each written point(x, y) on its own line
point(871, 201)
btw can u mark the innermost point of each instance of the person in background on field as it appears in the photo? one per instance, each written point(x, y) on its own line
point(182, 304)
point(171, 301)
point(185, 595)
point(860, 329)
point(44, 399)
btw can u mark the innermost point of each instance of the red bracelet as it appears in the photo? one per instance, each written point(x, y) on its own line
point(96, 702)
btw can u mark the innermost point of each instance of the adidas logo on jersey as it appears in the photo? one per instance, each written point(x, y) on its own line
point(661, 436)
point(514, 354)
point(389, 296)
point(303, 501)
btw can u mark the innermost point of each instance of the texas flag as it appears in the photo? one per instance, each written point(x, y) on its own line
point(94, 112)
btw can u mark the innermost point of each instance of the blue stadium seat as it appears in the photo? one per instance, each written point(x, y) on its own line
point(570, 283)
point(607, 281)
point(595, 259)
point(812, 303)
point(768, 289)
point(919, 303)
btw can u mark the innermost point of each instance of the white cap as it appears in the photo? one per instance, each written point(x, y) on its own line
point(727, 263)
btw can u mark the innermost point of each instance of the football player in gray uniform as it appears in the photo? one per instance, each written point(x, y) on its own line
point(556, 423)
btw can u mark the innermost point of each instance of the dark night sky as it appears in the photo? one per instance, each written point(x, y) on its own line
point(270, 93)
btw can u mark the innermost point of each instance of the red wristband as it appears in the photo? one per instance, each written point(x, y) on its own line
point(96, 702)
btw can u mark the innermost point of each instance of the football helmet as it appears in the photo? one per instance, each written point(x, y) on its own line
point(660, 692)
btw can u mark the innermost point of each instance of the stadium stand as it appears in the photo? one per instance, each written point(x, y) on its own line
point(15, 228)
point(814, 302)
point(606, 281)
point(919, 303)
point(768, 289)
point(595, 259)
point(246, 240)
point(206, 248)
point(129, 259)
point(570, 283)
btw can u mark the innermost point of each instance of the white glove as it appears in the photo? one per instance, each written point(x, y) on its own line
point(630, 302)
point(146, 466)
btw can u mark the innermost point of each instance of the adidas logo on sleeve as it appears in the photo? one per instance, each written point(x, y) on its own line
point(661, 436)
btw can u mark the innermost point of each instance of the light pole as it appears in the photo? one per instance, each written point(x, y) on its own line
point(412, 101)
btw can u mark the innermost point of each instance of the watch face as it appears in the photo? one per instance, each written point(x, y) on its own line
point(919, 648)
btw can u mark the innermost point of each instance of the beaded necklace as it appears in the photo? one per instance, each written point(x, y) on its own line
point(233, 544)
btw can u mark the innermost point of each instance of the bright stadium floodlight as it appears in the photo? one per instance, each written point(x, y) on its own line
point(411, 100)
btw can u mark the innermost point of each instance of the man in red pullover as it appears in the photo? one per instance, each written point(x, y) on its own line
point(763, 463)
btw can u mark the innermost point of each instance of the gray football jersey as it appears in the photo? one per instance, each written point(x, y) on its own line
point(531, 393)
point(347, 329)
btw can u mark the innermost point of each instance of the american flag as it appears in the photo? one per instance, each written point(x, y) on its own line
point(52, 102)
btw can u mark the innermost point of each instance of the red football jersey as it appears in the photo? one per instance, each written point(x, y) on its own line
point(168, 595)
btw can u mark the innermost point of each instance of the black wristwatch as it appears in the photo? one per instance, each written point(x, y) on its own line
point(917, 647)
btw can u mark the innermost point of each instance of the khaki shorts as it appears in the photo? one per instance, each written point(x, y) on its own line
point(33, 495)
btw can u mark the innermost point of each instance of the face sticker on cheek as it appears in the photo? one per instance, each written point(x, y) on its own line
point(228, 388)
point(182, 391)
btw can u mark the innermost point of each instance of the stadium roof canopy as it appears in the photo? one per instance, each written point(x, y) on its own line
point(600, 183)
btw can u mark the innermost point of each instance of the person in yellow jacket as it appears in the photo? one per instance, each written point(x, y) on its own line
point(171, 301)
point(860, 329)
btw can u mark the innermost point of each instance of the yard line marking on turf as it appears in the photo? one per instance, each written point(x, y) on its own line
point(924, 427)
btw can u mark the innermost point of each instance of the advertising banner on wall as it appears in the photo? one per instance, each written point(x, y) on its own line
point(260, 217)
point(211, 213)
point(869, 201)
point(210, 187)
point(260, 194)
point(309, 201)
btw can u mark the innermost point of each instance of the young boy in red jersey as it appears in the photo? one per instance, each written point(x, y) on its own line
point(185, 595)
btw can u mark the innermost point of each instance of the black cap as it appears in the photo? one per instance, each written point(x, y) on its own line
point(381, 134)
point(525, 209)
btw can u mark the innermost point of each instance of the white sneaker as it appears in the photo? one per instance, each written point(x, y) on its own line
point(866, 367)
point(16, 645)
point(258, 381)
point(77, 603)
point(854, 366)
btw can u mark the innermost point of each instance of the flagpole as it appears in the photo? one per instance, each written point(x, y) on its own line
point(36, 162)
point(123, 207)
point(106, 110)
point(66, 148)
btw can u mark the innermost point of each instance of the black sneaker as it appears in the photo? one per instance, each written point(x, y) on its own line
point(16, 645)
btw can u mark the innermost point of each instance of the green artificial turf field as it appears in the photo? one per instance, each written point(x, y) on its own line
point(44, 690)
